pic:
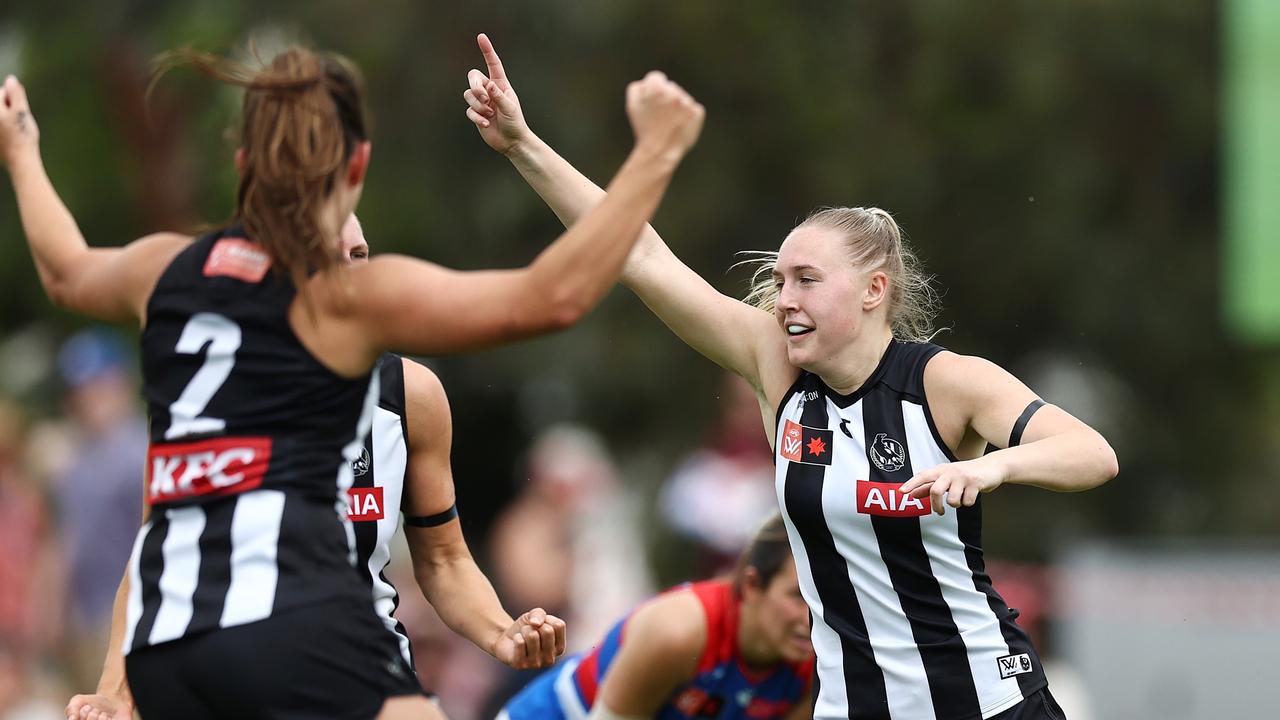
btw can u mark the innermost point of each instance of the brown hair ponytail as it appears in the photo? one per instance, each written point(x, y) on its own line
point(767, 552)
point(303, 118)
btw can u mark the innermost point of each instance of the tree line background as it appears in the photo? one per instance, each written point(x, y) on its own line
point(1056, 164)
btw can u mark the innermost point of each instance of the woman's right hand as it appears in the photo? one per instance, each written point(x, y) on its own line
point(98, 707)
point(665, 118)
point(18, 131)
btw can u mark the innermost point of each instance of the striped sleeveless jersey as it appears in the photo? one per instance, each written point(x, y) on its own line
point(906, 623)
point(252, 444)
point(377, 495)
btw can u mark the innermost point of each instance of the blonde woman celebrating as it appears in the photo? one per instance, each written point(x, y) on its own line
point(878, 438)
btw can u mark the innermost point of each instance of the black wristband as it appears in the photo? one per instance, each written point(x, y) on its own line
point(436, 520)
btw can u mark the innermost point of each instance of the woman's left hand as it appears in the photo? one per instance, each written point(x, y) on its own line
point(956, 484)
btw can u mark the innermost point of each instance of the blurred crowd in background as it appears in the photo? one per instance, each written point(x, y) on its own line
point(1061, 166)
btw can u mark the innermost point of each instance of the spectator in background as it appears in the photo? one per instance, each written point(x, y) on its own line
point(30, 571)
point(722, 491)
point(570, 542)
point(100, 492)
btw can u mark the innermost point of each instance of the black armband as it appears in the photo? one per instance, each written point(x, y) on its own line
point(1015, 437)
point(436, 520)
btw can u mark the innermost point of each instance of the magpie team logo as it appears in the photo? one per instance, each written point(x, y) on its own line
point(887, 454)
point(360, 465)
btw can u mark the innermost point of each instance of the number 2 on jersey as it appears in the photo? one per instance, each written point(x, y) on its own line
point(222, 337)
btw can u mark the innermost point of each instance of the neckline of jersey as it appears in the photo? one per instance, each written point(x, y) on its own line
point(843, 401)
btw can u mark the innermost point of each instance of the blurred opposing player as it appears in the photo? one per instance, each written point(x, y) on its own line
point(404, 464)
point(873, 426)
point(731, 648)
point(259, 354)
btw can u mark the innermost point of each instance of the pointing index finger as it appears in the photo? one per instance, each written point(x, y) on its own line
point(490, 58)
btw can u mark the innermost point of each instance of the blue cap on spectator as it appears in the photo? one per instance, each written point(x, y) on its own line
point(90, 354)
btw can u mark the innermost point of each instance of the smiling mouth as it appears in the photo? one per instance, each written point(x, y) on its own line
point(794, 330)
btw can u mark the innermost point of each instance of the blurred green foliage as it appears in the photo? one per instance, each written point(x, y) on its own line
point(1055, 163)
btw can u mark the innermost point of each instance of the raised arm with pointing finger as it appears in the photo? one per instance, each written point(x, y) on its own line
point(879, 439)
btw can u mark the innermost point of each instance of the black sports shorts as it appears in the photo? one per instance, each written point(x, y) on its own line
point(331, 660)
point(1039, 705)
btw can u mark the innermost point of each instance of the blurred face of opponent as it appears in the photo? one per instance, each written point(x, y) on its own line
point(779, 614)
point(352, 248)
point(825, 304)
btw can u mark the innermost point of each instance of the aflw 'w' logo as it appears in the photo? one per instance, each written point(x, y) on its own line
point(1011, 665)
point(791, 444)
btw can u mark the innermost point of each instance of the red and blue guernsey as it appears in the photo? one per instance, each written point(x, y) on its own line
point(723, 686)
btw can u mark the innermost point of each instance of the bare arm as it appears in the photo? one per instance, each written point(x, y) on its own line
point(662, 645)
point(442, 563)
point(732, 334)
point(112, 700)
point(977, 402)
point(110, 284)
point(437, 310)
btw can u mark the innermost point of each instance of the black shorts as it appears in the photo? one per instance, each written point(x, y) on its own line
point(1039, 705)
point(332, 660)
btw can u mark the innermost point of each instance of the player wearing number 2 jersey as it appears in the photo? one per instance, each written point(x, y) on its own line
point(404, 465)
point(259, 349)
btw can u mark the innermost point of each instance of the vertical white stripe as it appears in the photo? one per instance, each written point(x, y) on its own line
point(390, 457)
point(133, 606)
point(567, 693)
point(889, 630)
point(832, 699)
point(181, 552)
point(255, 537)
point(978, 626)
point(351, 453)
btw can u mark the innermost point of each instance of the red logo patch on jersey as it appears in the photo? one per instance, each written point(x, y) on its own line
point(366, 504)
point(801, 443)
point(883, 498)
point(219, 466)
point(237, 258)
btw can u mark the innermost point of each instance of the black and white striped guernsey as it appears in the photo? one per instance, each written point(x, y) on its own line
point(252, 445)
point(906, 623)
point(377, 495)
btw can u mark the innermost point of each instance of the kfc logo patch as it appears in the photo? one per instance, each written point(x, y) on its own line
point(365, 504)
point(220, 466)
point(884, 499)
point(800, 443)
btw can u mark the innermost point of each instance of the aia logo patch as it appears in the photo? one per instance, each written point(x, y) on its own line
point(887, 454)
point(220, 466)
point(883, 499)
point(1011, 665)
point(365, 504)
point(237, 258)
point(801, 443)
